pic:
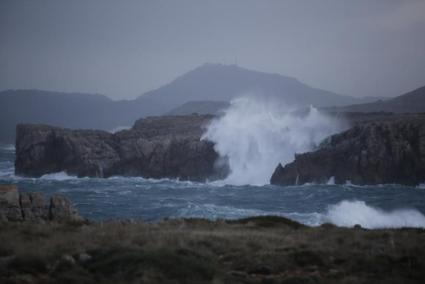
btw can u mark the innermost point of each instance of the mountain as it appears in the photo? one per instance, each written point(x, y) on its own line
point(411, 102)
point(215, 84)
point(199, 107)
point(73, 110)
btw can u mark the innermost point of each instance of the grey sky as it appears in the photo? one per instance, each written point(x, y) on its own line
point(124, 48)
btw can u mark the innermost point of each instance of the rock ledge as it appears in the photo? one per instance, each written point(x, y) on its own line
point(16, 206)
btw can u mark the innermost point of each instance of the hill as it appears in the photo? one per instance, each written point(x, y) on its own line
point(411, 102)
point(214, 84)
point(217, 82)
point(73, 110)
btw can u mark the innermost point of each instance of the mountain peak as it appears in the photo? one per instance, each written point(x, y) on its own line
point(220, 82)
point(209, 68)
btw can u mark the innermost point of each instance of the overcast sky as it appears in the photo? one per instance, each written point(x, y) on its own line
point(124, 48)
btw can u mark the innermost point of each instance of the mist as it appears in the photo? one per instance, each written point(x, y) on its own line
point(255, 135)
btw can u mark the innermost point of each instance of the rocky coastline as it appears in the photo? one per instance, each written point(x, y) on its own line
point(254, 250)
point(50, 243)
point(155, 147)
point(376, 152)
point(378, 148)
point(18, 206)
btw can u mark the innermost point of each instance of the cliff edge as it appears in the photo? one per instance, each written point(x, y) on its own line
point(155, 147)
point(370, 153)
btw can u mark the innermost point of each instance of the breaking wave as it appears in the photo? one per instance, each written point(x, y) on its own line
point(255, 136)
point(343, 214)
point(8, 148)
point(59, 176)
point(350, 213)
point(119, 128)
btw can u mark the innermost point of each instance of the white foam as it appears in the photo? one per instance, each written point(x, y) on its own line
point(59, 176)
point(350, 213)
point(421, 186)
point(256, 136)
point(119, 128)
point(331, 181)
point(8, 147)
point(212, 211)
point(7, 173)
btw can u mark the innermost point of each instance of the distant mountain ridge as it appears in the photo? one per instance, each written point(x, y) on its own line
point(217, 82)
point(209, 82)
point(73, 110)
point(413, 101)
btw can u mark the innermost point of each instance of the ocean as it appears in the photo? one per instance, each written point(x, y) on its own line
point(151, 200)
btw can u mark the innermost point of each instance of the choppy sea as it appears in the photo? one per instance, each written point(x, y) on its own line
point(152, 200)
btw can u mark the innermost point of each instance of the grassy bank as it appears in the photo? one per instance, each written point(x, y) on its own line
point(255, 250)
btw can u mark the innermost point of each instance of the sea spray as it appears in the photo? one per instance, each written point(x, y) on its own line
point(255, 136)
point(350, 213)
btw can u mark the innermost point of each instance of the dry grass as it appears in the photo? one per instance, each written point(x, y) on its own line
point(254, 250)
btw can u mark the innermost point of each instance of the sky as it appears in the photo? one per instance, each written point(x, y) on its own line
point(125, 48)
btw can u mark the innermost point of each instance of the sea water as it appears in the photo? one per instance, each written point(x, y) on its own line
point(152, 200)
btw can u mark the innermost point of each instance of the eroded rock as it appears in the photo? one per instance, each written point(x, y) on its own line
point(15, 206)
point(370, 153)
point(10, 209)
point(60, 208)
point(156, 147)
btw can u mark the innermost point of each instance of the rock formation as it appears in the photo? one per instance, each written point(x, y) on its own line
point(370, 153)
point(155, 147)
point(15, 206)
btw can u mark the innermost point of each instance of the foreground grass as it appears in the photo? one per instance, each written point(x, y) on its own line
point(254, 250)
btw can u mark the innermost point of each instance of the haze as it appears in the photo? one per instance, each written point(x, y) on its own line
point(125, 48)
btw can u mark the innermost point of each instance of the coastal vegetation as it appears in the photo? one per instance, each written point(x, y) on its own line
point(255, 250)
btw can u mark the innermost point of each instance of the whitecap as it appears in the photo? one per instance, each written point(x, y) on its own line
point(349, 213)
point(119, 128)
point(59, 176)
point(331, 181)
point(212, 211)
point(8, 147)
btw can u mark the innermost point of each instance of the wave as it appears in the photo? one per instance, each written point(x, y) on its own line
point(350, 213)
point(8, 148)
point(119, 128)
point(212, 211)
point(255, 136)
point(343, 214)
point(7, 173)
point(421, 186)
point(59, 176)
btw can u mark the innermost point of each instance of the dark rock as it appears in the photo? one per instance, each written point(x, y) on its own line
point(370, 153)
point(84, 257)
point(15, 206)
point(61, 209)
point(156, 147)
point(10, 209)
point(33, 206)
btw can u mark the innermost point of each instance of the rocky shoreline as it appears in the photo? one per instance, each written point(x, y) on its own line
point(379, 148)
point(17, 206)
point(50, 243)
point(254, 250)
point(382, 152)
point(155, 147)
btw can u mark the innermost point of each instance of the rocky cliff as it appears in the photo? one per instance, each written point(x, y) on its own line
point(155, 147)
point(370, 153)
point(16, 206)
